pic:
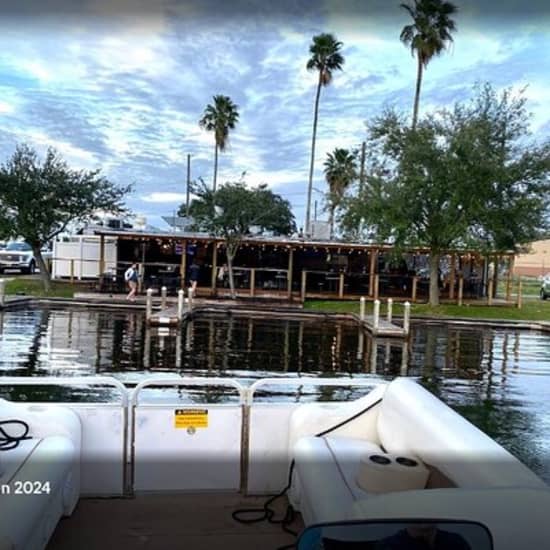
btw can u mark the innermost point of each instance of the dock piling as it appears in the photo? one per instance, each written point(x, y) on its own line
point(180, 304)
point(407, 318)
point(362, 308)
point(2, 292)
point(376, 316)
point(163, 291)
point(390, 310)
point(149, 304)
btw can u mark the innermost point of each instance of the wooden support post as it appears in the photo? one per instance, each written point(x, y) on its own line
point(141, 278)
point(452, 278)
point(72, 271)
point(509, 278)
point(362, 308)
point(214, 267)
point(289, 273)
point(376, 286)
point(519, 298)
point(252, 281)
point(460, 289)
point(183, 264)
point(101, 254)
point(190, 298)
point(2, 292)
point(372, 270)
point(149, 304)
point(494, 289)
point(376, 316)
point(341, 286)
point(180, 304)
point(163, 292)
point(390, 310)
point(407, 318)
point(303, 287)
point(490, 292)
point(414, 288)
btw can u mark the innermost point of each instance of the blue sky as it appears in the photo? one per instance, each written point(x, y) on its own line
point(121, 85)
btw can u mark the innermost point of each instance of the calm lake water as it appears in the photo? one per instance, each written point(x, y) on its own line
point(498, 379)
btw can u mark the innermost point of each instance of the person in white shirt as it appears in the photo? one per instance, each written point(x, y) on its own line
point(131, 277)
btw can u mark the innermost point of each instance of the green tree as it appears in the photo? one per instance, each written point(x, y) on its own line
point(325, 59)
point(232, 210)
point(219, 117)
point(340, 172)
point(39, 199)
point(427, 36)
point(447, 185)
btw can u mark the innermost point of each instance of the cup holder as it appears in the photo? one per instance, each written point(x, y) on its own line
point(379, 459)
point(404, 461)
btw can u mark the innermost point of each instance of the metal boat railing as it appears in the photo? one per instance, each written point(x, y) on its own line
point(129, 404)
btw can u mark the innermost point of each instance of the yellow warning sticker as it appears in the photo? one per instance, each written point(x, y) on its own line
point(191, 418)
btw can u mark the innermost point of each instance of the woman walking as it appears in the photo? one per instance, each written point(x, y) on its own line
point(131, 277)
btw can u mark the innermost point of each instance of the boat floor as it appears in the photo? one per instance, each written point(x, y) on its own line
point(200, 521)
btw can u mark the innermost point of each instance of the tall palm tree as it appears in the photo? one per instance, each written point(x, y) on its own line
point(325, 58)
point(427, 36)
point(219, 117)
point(340, 172)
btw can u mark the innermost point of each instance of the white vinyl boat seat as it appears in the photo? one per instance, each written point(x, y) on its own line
point(408, 421)
point(40, 477)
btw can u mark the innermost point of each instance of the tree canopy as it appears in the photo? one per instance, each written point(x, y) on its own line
point(219, 117)
point(466, 176)
point(325, 58)
point(234, 209)
point(340, 172)
point(39, 199)
point(427, 36)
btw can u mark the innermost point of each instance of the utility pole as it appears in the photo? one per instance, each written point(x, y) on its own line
point(362, 170)
point(188, 185)
point(315, 211)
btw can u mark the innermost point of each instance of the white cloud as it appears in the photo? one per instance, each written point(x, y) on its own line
point(164, 197)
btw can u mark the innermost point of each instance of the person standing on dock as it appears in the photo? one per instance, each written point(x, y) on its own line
point(131, 277)
point(194, 271)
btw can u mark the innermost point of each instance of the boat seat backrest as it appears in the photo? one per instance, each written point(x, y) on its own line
point(413, 422)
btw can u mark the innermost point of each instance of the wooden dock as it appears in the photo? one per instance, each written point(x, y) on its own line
point(384, 328)
point(167, 317)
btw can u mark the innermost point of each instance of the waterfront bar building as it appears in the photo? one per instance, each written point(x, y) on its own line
point(295, 269)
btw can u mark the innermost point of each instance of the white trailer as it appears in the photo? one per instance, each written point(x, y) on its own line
point(79, 256)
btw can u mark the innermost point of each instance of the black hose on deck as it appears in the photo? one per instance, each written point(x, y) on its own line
point(10, 441)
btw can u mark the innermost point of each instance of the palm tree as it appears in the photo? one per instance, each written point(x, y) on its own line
point(340, 172)
point(219, 118)
point(325, 58)
point(427, 36)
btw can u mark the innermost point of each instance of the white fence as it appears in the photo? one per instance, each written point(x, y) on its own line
point(79, 257)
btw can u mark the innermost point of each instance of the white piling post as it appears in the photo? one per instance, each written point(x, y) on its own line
point(163, 291)
point(390, 309)
point(190, 294)
point(2, 292)
point(376, 315)
point(407, 318)
point(362, 308)
point(149, 304)
point(180, 304)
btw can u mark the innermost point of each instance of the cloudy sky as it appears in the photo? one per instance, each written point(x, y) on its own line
point(121, 85)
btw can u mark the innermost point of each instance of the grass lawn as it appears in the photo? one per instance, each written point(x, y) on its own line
point(532, 310)
point(33, 287)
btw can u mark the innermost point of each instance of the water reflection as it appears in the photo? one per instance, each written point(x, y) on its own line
point(499, 379)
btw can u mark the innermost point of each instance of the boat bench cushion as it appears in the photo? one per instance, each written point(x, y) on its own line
point(28, 517)
point(414, 422)
point(325, 473)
